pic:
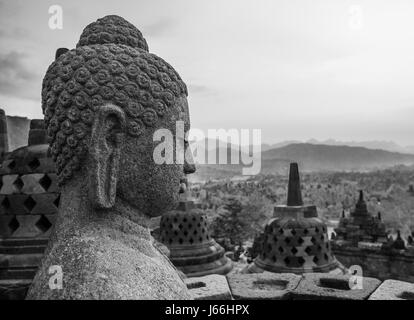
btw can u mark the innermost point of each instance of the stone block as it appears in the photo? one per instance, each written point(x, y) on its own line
point(45, 203)
point(27, 226)
point(8, 184)
point(8, 224)
point(25, 160)
point(45, 166)
point(53, 187)
point(20, 260)
point(14, 289)
point(321, 286)
point(4, 209)
point(34, 183)
point(211, 287)
point(341, 243)
point(262, 286)
point(31, 183)
point(19, 203)
point(394, 290)
point(374, 246)
point(7, 166)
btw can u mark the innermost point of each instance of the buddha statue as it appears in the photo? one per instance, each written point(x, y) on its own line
point(102, 103)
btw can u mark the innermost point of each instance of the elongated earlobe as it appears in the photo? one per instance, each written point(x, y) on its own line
point(108, 133)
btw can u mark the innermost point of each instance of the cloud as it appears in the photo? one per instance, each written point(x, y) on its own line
point(16, 78)
point(15, 33)
point(159, 28)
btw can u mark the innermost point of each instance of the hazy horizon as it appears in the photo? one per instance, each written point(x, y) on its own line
point(297, 70)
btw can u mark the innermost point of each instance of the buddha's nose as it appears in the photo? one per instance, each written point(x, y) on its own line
point(189, 168)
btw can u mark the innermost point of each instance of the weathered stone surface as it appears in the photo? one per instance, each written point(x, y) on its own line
point(28, 205)
point(374, 246)
point(320, 286)
point(295, 240)
point(8, 224)
point(37, 132)
point(192, 249)
point(13, 289)
point(211, 287)
point(262, 286)
point(31, 159)
point(109, 260)
point(19, 259)
point(394, 290)
point(103, 102)
point(383, 265)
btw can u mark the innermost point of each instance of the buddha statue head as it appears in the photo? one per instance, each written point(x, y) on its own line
point(102, 103)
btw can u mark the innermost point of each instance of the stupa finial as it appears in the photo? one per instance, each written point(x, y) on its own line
point(185, 202)
point(294, 192)
point(361, 196)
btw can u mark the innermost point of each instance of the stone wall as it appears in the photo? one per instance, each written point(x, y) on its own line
point(376, 262)
point(287, 286)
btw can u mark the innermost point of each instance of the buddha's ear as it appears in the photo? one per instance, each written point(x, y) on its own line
point(108, 134)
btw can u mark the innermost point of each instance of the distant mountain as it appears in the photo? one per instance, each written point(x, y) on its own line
point(266, 147)
point(410, 149)
point(375, 144)
point(318, 157)
point(312, 157)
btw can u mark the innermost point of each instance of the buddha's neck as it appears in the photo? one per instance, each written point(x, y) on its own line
point(76, 212)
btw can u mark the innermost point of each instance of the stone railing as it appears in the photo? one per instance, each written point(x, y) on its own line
point(377, 261)
point(288, 286)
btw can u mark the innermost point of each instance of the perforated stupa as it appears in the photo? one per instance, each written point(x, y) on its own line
point(192, 249)
point(29, 200)
point(295, 239)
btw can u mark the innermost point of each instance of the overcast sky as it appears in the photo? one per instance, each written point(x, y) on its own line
point(295, 69)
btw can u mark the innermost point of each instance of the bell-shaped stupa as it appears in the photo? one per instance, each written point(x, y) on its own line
point(192, 249)
point(29, 200)
point(295, 239)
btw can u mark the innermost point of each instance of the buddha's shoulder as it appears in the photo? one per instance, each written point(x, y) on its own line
point(110, 266)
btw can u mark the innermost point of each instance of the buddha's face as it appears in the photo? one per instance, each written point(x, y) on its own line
point(150, 187)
